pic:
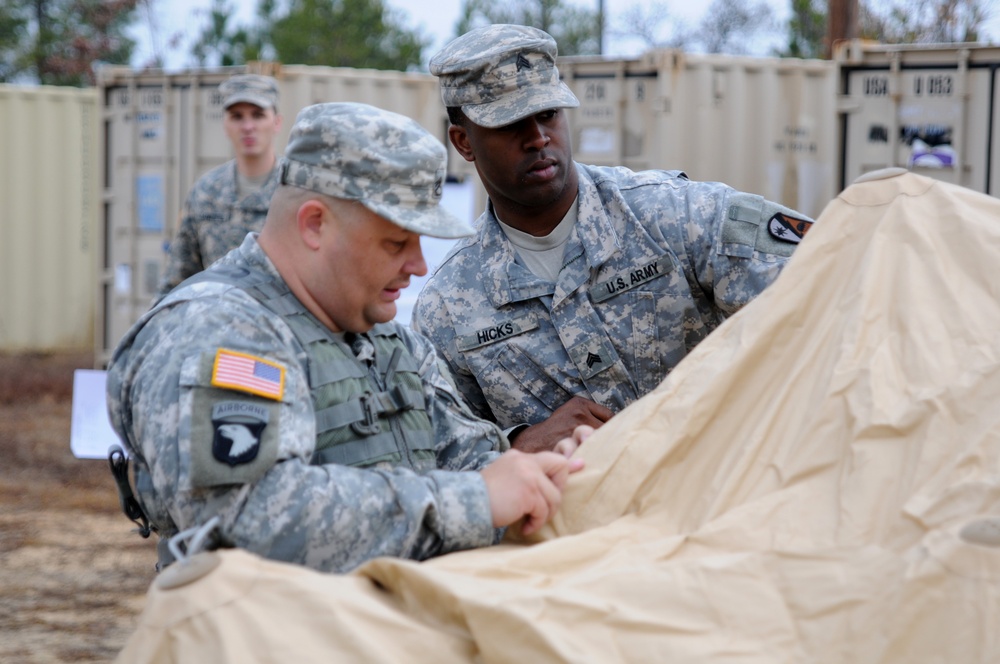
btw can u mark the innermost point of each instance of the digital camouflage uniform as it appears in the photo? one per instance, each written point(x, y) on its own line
point(215, 394)
point(215, 219)
point(654, 263)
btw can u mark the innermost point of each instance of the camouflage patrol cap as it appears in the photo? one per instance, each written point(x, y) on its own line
point(386, 161)
point(251, 88)
point(500, 74)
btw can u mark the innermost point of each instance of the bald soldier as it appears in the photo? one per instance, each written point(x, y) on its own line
point(274, 391)
point(584, 286)
point(230, 200)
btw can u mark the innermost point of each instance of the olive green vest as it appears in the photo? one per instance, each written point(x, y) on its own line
point(364, 416)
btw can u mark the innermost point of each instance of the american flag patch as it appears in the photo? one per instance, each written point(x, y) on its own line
point(248, 373)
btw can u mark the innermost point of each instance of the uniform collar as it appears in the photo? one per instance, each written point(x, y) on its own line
point(593, 241)
point(255, 256)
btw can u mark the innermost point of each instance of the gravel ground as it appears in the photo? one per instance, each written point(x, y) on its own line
point(73, 574)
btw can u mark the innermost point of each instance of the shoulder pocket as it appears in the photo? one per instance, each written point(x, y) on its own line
point(228, 437)
point(754, 224)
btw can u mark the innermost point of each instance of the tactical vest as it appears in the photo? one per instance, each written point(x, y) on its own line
point(364, 416)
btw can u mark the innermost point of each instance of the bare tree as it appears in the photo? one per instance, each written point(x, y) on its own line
point(923, 21)
point(646, 23)
point(731, 25)
point(574, 29)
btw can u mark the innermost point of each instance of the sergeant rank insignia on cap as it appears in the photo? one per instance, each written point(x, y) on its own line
point(248, 373)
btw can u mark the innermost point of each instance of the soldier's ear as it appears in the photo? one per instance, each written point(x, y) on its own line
point(459, 137)
point(309, 219)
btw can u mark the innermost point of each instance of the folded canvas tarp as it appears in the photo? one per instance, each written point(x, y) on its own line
point(818, 482)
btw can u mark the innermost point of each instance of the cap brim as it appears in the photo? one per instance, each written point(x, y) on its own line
point(520, 104)
point(262, 102)
point(424, 219)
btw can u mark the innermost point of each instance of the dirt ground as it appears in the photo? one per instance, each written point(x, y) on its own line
point(73, 574)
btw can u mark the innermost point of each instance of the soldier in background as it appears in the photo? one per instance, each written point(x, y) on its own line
point(584, 285)
point(274, 392)
point(230, 200)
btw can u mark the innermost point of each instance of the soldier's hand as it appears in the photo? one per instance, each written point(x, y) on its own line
point(567, 446)
point(575, 412)
point(528, 485)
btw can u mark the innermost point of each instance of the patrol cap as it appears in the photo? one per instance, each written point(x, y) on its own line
point(501, 73)
point(252, 88)
point(386, 161)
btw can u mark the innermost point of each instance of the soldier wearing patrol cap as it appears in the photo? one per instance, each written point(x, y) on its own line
point(584, 286)
point(274, 390)
point(230, 200)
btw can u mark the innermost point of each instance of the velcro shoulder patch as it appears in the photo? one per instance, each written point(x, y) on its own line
point(243, 372)
point(753, 223)
point(787, 228)
point(232, 441)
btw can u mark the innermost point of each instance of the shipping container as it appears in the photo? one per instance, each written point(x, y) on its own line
point(163, 130)
point(49, 202)
point(929, 108)
point(762, 125)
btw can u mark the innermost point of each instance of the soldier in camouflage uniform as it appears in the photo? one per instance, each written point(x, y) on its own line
point(584, 286)
point(230, 200)
point(275, 392)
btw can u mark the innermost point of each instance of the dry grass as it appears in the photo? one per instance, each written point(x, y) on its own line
point(72, 573)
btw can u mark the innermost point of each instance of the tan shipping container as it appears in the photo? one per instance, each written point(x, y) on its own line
point(49, 202)
point(762, 125)
point(930, 108)
point(163, 130)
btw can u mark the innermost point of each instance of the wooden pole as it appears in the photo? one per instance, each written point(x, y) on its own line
point(600, 27)
point(842, 23)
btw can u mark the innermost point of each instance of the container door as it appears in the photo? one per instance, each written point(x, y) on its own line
point(935, 119)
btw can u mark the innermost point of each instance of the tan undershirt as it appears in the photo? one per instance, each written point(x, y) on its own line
point(246, 186)
point(543, 255)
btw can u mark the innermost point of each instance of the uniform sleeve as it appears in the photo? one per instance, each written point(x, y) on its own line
point(430, 318)
point(738, 242)
point(218, 447)
point(184, 258)
point(463, 441)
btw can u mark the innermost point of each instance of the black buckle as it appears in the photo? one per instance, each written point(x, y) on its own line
point(130, 506)
point(370, 425)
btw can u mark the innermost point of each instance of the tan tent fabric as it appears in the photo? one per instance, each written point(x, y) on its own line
point(818, 482)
